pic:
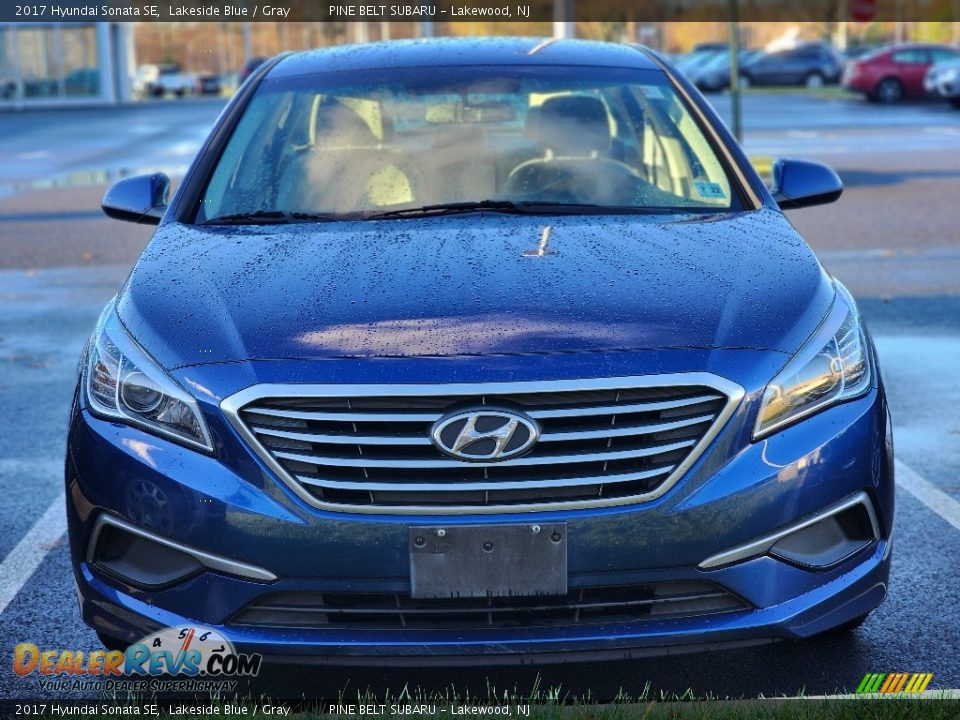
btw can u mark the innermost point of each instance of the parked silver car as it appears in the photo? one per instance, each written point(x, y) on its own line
point(943, 80)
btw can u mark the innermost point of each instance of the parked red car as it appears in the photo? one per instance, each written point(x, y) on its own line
point(890, 74)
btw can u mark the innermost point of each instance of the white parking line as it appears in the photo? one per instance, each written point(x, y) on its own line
point(26, 557)
point(928, 493)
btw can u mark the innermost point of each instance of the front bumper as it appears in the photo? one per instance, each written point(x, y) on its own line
point(946, 89)
point(240, 512)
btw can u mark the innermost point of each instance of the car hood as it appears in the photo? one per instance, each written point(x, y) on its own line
point(474, 285)
point(944, 65)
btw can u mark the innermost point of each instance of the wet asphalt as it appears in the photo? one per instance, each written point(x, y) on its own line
point(893, 239)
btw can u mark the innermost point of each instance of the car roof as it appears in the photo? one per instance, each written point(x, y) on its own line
point(895, 47)
point(463, 51)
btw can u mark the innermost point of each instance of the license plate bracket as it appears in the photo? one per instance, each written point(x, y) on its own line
point(488, 560)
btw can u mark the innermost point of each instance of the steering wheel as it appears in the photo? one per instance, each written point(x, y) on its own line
point(587, 180)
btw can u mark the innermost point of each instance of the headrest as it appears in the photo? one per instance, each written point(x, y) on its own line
point(574, 125)
point(340, 127)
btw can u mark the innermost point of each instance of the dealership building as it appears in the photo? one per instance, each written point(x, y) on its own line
point(53, 64)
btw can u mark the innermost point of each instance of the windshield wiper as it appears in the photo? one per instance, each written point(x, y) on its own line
point(448, 209)
point(268, 217)
point(573, 208)
point(523, 207)
point(520, 207)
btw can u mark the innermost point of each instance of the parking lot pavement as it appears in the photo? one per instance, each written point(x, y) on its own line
point(892, 239)
point(45, 317)
point(65, 227)
point(83, 146)
point(771, 111)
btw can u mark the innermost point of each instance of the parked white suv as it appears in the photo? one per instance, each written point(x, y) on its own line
point(943, 80)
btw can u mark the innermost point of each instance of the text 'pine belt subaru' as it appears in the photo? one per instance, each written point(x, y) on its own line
point(477, 351)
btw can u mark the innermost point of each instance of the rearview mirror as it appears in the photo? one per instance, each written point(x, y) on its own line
point(799, 183)
point(140, 199)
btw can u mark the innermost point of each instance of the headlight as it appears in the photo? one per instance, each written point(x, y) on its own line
point(832, 366)
point(123, 383)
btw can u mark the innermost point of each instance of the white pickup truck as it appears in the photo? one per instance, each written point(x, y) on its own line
point(171, 80)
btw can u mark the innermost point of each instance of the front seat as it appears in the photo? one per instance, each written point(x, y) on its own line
point(345, 169)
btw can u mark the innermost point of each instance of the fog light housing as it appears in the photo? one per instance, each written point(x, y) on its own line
point(817, 542)
point(828, 542)
point(139, 561)
point(141, 558)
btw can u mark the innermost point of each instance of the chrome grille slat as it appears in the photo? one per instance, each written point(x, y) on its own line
point(347, 416)
point(340, 439)
point(361, 462)
point(368, 448)
point(625, 431)
point(344, 439)
point(434, 416)
point(494, 485)
point(622, 409)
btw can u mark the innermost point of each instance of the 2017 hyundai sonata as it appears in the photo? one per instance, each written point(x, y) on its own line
point(492, 349)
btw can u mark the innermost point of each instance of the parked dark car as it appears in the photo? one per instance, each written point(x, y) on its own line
point(714, 75)
point(209, 84)
point(713, 46)
point(893, 73)
point(8, 89)
point(691, 62)
point(485, 351)
point(249, 66)
point(812, 65)
point(82, 82)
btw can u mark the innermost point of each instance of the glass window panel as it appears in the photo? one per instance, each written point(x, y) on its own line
point(8, 74)
point(358, 143)
point(38, 62)
point(81, 78)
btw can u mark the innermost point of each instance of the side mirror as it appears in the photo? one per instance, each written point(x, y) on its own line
point(798, 183)
point(140, 199)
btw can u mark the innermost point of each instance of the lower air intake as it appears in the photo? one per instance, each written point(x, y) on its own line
point(580, 606)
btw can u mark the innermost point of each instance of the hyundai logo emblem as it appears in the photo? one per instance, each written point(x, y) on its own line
point(485, 435)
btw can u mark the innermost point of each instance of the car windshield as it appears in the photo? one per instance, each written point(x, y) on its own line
point(408, 140)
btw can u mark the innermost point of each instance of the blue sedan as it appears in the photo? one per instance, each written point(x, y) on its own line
point(477, 351)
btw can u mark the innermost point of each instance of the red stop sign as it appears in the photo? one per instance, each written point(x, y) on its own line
point(863, 10)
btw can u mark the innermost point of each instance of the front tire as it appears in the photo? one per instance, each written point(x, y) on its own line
point(814, 81)
point(888, 91)
point(955, 102)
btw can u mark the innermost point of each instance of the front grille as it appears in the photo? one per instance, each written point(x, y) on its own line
point(581, 606)
point(368, 448)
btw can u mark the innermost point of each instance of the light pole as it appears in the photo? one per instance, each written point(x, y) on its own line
point(735, 108)
point(563, 19)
